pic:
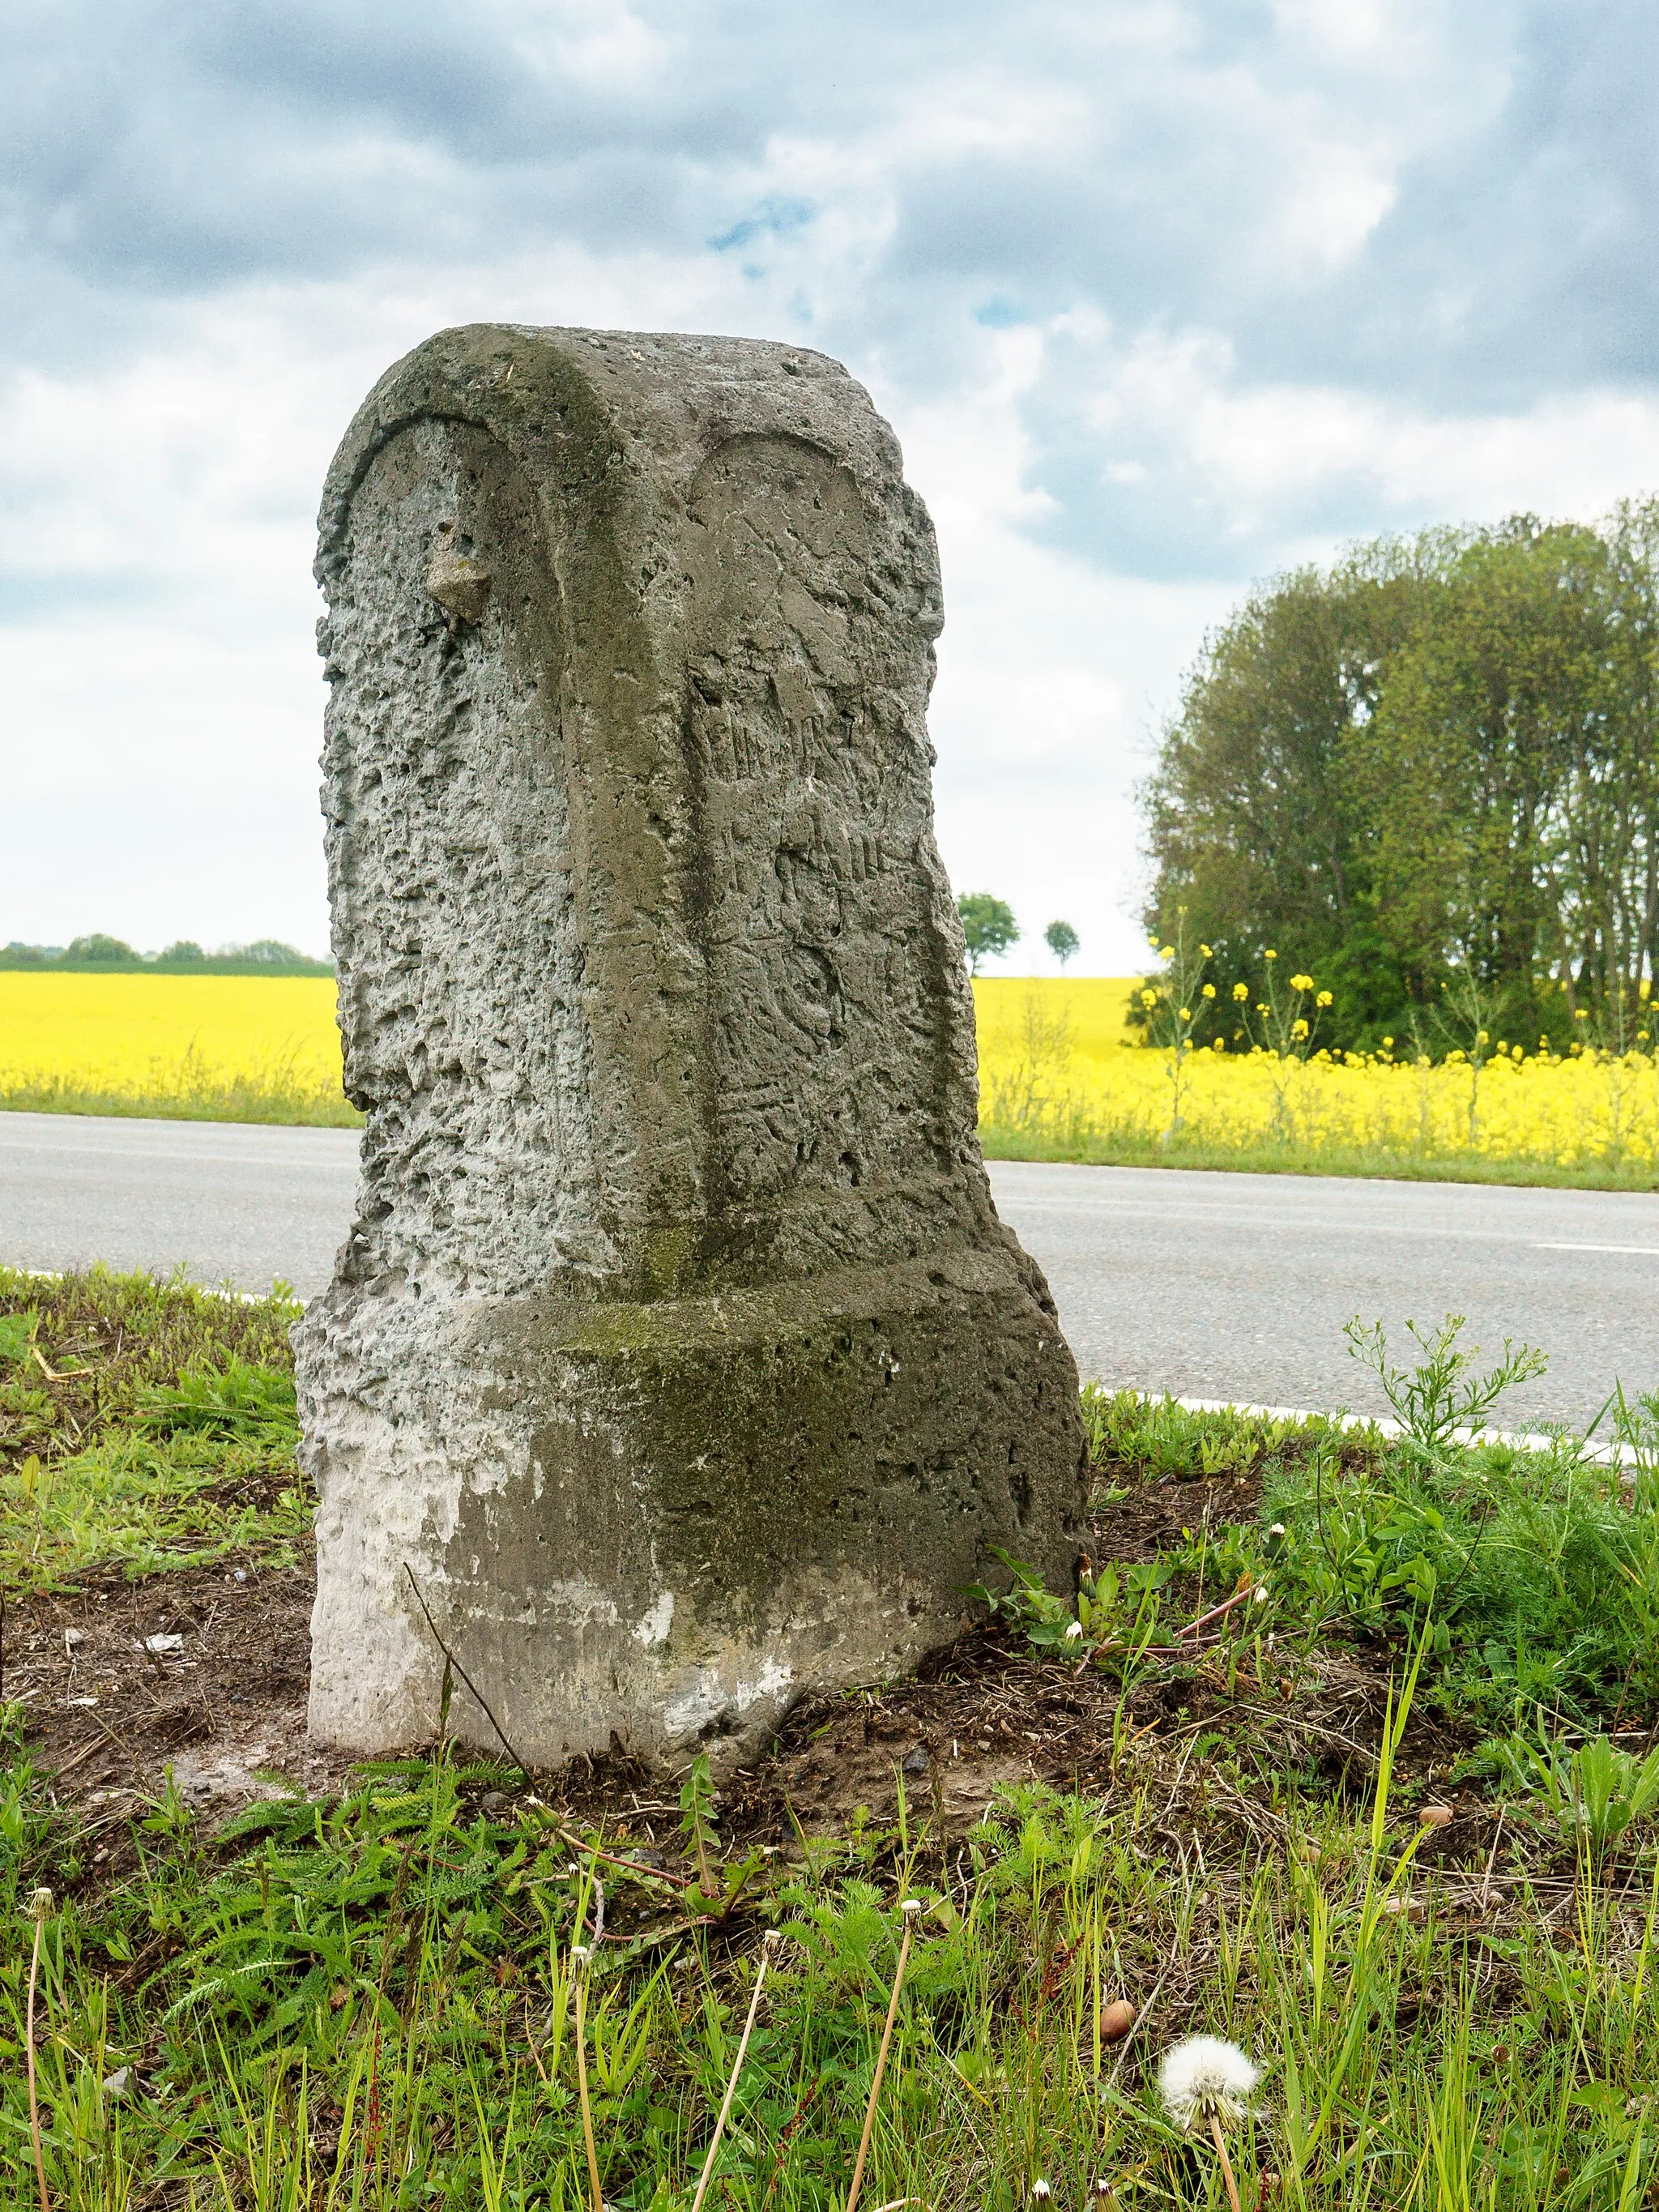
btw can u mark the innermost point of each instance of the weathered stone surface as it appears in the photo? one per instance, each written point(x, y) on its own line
point(677, 1354)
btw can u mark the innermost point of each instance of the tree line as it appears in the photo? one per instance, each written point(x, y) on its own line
point(99, 953)
point(1429, 775)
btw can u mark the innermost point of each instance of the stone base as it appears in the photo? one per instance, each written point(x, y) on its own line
point(658, 1524)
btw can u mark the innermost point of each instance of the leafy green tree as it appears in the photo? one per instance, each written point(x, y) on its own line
point(98, 946)
point(1435, 764)
point(184, 949)
point(1252, 824)
point(988, 927)
point(1061, 940)
point(1501, 701)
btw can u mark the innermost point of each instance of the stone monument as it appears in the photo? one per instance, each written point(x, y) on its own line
point(677, 1360)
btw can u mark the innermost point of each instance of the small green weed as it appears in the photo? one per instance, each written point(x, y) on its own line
point(1597, 1787)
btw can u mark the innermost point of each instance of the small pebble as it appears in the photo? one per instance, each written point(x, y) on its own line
point(159, 1645)
point(1116, 2019)
point(1435, 1816)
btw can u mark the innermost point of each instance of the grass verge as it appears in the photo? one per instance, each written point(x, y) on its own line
point(1160, 1804)
point(1133, 1149)
point(239, 1099)
point(145, 1423)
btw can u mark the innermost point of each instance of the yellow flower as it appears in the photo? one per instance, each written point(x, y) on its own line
point(1261, 1006)
point(1388, 1044)
point(1302, 982)
point(1166, 953)
point(1298, 1030)
point(1149, 998)
point(1209, 990)
point(1323, 1000)
point(1220, 1045)
point(1186, 1014)
point(1270, 955)
point(1241, 990)
point(1480, 1037)
point(1205, 950)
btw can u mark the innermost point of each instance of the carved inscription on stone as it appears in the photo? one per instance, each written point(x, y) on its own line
point(812, 777)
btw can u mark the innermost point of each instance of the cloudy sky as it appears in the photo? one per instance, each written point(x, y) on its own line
point(1162, 295)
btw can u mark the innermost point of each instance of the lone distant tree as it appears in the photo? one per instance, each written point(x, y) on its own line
point(1061, 939)
point(988, 925)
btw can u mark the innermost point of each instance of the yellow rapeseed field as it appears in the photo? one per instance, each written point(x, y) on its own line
point(256, 1048)
point(1059, 1076)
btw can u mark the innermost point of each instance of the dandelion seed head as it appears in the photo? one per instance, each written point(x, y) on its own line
point(1040, 2191)
point(1206, 2077)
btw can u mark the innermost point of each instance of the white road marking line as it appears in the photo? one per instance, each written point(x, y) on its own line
point(1648, 1251)
point(1530, 1440)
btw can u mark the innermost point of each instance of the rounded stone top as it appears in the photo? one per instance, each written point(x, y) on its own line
point(582, 406)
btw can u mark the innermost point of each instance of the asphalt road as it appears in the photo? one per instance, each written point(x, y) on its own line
point(1231, 1287)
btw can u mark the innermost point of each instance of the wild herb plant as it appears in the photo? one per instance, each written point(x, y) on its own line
point(1281, 1026)
point(1175, 1005)
point(1443, 1392)
point(1534, 1571)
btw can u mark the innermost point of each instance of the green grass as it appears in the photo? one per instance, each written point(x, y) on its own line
point(372, 2003)
point(148, 1423)
point(1534, 1574)
point(370, 1999)
point(1133, 1149)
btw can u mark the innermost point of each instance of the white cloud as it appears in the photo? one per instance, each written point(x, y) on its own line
point(1160, 297)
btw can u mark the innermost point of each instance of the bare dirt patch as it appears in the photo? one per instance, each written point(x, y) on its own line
point(198, 1671)
point(204, 1672)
